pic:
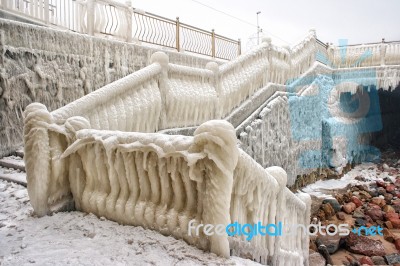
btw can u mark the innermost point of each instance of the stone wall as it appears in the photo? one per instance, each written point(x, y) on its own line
point(53, 67)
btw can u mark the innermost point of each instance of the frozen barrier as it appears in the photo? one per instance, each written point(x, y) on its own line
point(364, 55)
point(163, 181)
point(164, 95)
point(86, 155)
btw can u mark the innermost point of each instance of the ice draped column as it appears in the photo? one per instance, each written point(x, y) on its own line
point(37, 156)
point(214, 67)
point(216, 140)
point(305, 238)
point(382, 51)
point(163, 60)
point(48, 174)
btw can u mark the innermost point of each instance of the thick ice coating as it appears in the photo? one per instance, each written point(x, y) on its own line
point(88, 155)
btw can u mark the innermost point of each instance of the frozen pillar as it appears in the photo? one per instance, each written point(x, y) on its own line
point(216, 139)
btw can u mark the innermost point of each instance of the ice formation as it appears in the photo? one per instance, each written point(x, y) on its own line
point(159, 181)
point(53, 67)
point(91, 158)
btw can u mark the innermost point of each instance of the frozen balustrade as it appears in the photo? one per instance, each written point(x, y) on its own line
point(86, 155)
point(160, 182)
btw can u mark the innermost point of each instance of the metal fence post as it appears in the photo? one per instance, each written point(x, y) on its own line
point(239, 47)
point(46, 11)
point(178, 46)
point(213, 43)
point(129, 14)
point(90, 17)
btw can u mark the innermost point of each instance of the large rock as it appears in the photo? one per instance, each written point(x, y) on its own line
point(387, 235)
point(393, 258)
point(364, 245)
point(358, 213)
point(380, 183)
point(328, 210)
point(391, 215)
point(388, 208)
point(349, 207)
point(341, 216)
point(378, 201)
point(333, 202)
point(378, 260)
point(390, 188)
point(356, 201)
point(395, 223)
point(366, 261)
point(375, 214)
point(365, 194)
point(397, 244)
point(332, 243)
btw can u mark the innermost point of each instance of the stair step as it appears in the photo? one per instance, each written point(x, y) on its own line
point(13, 162)
point(19, 178)
point(20, 152)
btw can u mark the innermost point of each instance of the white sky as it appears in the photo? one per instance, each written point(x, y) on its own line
point(359, 21)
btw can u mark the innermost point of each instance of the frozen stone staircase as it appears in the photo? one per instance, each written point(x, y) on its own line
point(13, 162)
point(101, 153)
point(12, 168)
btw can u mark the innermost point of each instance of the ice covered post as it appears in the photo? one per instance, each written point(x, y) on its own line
point(382, 50)
point(163, 60)
point(129, 14)
point(214, 67)
point(90, 5)
point(268, 42)
point(305, 238)
point(216, 139)
point(36, 139)
point(47, 173)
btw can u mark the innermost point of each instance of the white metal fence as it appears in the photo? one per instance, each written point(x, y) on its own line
point(109, 18)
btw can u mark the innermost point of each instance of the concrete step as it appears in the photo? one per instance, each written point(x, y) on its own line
point(13, 176)
point(13, 162)
point(20, 152)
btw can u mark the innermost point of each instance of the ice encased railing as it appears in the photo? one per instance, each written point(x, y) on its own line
point(364, 55)
point(163, 96)
point(161, 182)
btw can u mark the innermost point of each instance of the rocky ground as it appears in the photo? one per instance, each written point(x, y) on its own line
point(371, 198)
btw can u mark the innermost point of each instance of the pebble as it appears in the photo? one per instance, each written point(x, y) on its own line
point(378, 260)
point(349, 207)
point(366, 261)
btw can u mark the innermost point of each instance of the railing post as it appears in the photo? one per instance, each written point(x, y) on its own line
point(239, 47)
point(213, 43)
point(163, 60)
point(46, 11)
point(382, 51)
point(4, 3)
point(129, 15)
point(90, 17)
point(178, 46)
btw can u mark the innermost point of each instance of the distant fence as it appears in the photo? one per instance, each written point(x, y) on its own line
point(123, 22)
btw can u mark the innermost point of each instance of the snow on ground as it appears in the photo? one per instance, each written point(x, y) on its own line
point(75, 238)
point(368, 171)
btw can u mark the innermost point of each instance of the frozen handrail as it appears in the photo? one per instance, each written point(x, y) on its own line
point(161, 182)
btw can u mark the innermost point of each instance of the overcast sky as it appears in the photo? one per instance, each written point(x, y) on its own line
point(287, 22)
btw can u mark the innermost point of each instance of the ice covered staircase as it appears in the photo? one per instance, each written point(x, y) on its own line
point(86, 156)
